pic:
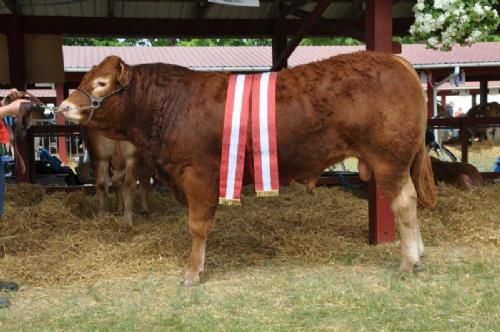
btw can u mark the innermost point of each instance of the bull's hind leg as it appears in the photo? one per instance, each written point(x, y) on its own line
point(398, 188)
point(420, 242)
point(404, 207)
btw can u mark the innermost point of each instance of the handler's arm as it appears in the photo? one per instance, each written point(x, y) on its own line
point(12, 109)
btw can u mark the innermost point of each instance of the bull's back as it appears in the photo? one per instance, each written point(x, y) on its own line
point(347, 105)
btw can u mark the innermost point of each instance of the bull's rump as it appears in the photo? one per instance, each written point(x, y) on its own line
point(360, 105)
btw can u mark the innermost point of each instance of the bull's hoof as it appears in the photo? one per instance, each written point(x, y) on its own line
point(8, 286)
point(145, 214)
point(4, 302)
point(418, 267)
point(191, 279)
point(406, 269)
point(127, 219)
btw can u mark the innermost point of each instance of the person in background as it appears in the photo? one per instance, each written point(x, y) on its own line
point(6, 110)
point(450, 109)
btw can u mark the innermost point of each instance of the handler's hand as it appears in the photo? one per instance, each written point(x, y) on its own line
point(12, 109)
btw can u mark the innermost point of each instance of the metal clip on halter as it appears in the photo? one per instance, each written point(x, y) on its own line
point(95, 102)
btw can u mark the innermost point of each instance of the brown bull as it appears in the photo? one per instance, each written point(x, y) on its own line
point(123, 161)
point(367, 105)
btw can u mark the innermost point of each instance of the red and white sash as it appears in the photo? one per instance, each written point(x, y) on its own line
point(265, 152)
point(234, 138)
point(263, 136)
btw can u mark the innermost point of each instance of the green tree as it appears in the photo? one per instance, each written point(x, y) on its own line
point(200, 41)
point(70, 41)
point(329, 41)
point(444, 23)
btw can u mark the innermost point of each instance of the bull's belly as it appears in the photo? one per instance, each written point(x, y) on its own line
point(301, 170)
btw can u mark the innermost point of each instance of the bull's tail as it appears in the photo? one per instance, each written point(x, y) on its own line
point(423, 178)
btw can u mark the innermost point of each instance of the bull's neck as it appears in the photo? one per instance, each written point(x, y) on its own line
point(155, 106)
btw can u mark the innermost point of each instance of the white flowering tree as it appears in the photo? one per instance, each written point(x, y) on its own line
point(444, 23)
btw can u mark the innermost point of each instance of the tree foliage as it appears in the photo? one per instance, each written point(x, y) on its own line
point(200, 42)
point(444, 23)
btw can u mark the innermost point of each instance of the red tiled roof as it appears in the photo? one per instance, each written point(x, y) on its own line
point(477, 53)
point(81, 58)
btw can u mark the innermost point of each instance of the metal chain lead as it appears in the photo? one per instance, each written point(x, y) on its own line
point(95, 103)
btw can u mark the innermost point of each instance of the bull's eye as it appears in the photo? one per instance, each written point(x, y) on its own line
point(101, 84)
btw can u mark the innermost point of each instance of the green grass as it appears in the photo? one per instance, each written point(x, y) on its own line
point(458, 290)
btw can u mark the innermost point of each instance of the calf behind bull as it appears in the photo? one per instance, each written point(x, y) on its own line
point(367, 105)
point(123, 161)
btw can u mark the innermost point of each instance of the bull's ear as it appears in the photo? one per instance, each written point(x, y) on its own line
point(125, 75)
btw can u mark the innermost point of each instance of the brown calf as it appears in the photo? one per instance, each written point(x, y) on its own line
point(122, 160)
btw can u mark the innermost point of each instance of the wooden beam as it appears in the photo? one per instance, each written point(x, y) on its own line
point(111, 8)
point(381, 225)
point(430, 97)
point(290, 9)
point(304, 29)
point(378, 27)
point(15, 44)
point(279, 43)
point(12, 5)
point(177, 28)
point(483, 92)
point(61, 141)
point(378, 37)
point(203, 8)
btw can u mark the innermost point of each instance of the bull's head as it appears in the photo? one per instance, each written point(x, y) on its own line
point(98, 102)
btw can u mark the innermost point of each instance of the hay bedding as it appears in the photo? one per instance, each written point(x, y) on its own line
point(57, 239)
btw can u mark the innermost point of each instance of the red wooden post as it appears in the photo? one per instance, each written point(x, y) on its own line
point(17, 70)
point(378, 37)
point(378, 25)
point(381, 220)
point(430, 97)
point(464, 139)
point(61, 140)
point(483, 92)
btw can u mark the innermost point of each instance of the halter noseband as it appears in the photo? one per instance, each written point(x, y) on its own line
point(95, 102)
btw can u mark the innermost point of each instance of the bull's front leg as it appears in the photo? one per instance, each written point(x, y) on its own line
point(102, 186)
point(201, 195)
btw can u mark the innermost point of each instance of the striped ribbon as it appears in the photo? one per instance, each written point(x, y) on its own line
point(262, 88)
point(234, 139)
point(265, 152)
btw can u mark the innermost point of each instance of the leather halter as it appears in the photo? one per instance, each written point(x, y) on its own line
point(95, 102)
